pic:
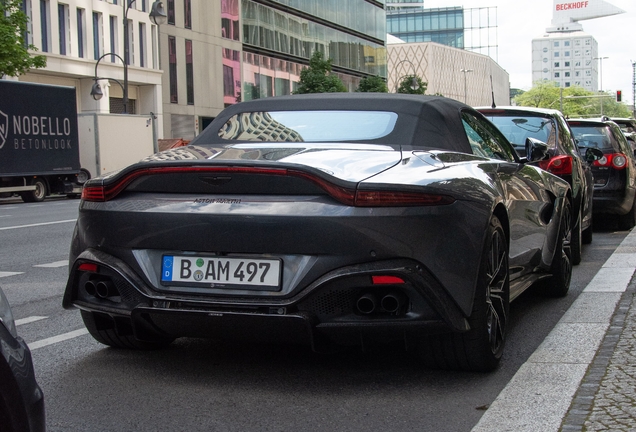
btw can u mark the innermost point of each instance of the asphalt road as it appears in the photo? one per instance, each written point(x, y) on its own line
point(206, 385)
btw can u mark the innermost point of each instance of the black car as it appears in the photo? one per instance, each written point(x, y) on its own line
point(324, 219)
point(564, 158)
point(21, 399)
point(615, 173)
point(628, 126)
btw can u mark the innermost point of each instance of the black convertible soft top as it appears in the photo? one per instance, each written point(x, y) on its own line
point(431, 122)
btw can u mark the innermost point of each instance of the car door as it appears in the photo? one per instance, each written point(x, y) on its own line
point(522, 191)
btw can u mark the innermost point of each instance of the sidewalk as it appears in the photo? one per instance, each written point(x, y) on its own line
point(583, 376)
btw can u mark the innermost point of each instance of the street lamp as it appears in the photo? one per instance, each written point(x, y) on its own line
point(601, 81)
point(157, 16)
point(465, 71)
point(414, 83)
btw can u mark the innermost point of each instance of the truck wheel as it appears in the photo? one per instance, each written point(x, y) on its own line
point(37, 195)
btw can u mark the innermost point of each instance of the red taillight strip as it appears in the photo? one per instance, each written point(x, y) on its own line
point(617, 161)
point(89, 267)
point(347, 196)
point(386, 280)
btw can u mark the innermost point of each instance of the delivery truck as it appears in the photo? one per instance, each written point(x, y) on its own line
point(39, 141)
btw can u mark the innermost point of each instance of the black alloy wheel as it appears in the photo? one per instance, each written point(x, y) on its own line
point(480, 348)
point(558, 284)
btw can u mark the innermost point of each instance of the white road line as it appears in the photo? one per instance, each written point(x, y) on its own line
point(53, 264)
point(7, 274)
point(29, 320)
point(5, 215)
point(55, 339)
point(38, 224)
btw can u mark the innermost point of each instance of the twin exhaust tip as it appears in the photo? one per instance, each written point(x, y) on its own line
point(391, 303)
point(101, 288)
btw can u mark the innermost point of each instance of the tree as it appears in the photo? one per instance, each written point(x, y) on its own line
point(15, 58)
point(577, 102)
point(372, 84)
point(412, 84)
point(317, 78)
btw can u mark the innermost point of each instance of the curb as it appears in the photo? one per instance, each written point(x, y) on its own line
point(539, 396)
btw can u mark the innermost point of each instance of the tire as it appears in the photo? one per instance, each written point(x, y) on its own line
point(37, 195)
point(102, 328)
point(588, 235)
point(558, 284)
point(628, 220)
point(480, 348)
point(577, 241)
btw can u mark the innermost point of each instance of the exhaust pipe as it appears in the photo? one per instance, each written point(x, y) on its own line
point(392, 302)
point(90, 288)
point(105, 289)
point(366, 304)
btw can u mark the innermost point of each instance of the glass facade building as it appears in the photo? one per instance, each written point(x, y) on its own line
point(442, 25)
point(279, 37)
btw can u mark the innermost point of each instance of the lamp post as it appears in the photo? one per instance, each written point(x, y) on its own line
point(601, 78)
point(157, 16)
point(465, 71)
point(414, 83)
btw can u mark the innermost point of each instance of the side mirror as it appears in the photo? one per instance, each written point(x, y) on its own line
point(535, 150)
point(593, 154)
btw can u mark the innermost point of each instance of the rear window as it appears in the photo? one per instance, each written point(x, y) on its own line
point(518, 127)
point(308, 126)
point(599, 136)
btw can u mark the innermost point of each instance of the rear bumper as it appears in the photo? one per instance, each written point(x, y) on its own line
point(325, 311)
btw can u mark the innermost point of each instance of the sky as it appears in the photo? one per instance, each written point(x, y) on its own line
point(521, 21)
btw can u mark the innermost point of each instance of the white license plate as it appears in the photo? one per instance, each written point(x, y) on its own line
point(212, 271)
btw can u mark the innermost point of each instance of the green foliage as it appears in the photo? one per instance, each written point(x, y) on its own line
point(14, 55)
point(372, 84)
point(577, 102)
point(412, 84)
point(317, 78)
point(514, 92)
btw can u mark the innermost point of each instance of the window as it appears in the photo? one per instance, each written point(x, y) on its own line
point(566, 43)
point(142, 44)
point(557, 74)
point(97, 35)
point(63, 27)
point(567, 53)
point(129, 54)
point(588, 42)
point(557, 64)
point(577, 73)
point(155, 49)
point(45, 24)
point(172, 68)
point(187, 20)
point(113, 38)
point(577, 64)
point(567, 74)
point(567, 84)
point(230, 19)
point(557, 54)
point(482, 141)
point(171, 12)
point(577, 53)
point(189, 73)
point(556, 44)
point(81, 32)
point(567, 64)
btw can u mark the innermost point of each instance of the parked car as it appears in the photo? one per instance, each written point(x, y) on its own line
point(564, 159)
point(615, 173)
point(628, 126)
point(21, 399)
point(325, 219)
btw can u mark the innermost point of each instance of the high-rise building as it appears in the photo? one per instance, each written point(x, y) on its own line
point(565, 54)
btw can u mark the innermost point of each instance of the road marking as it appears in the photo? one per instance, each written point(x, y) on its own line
point(53, 264)
point(38, 224)
point(29, 320)
point(55, 339)
point(7, 274)
point(5, 215)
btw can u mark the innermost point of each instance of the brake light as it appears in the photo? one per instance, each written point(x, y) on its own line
point(615, 160)
point(558, 165)
point(347, 196)
point(386, 280)
point(88, 267)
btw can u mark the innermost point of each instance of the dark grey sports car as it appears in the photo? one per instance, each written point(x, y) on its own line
point(325, 219)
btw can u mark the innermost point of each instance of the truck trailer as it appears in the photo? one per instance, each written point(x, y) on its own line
point(39, 141)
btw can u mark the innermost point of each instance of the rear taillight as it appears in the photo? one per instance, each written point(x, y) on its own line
point(615, 160)
point(348, 196)
point(386, 280)
point(558, 165)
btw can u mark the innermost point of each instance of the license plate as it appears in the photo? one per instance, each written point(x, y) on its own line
point(219, 271)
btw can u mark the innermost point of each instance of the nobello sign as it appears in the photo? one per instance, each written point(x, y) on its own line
point(575, 5)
